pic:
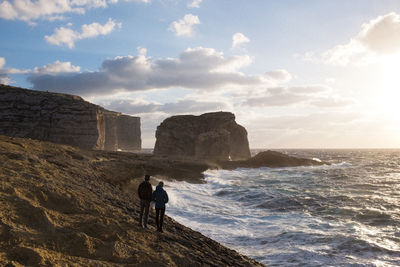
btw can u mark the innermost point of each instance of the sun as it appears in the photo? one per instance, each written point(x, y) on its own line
point(389, 93)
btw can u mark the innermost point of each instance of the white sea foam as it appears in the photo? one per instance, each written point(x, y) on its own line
point(310, 216)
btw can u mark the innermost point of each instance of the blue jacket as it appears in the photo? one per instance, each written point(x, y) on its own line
point(160, 197)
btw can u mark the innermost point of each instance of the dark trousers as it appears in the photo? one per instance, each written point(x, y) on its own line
point(144, 206)
point(160, 218)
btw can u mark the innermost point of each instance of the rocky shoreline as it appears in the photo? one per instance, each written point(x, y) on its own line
point(63, 206)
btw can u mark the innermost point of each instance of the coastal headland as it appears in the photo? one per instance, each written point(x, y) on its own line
point(64, 202)
point(64, 206)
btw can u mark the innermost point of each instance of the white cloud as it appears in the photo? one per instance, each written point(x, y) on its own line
point(183, 106)
point(309, 130)
point(29, 10)
point(286, 96)
point(379, 37)
point(184, 26)
point(279, 76)
point(238, 39)
point(195, 68)
point(57, 67)
point(2, 62)
point(195, 4)
point(67, 36)
point(331, 102)
point(4, 72)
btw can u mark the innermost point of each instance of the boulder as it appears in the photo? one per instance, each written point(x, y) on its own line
point(211, 136)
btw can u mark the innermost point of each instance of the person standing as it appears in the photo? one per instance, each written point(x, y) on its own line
point(160, 196)
point(145, 192)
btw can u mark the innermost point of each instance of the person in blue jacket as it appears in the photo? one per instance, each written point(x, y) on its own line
point(160, 196)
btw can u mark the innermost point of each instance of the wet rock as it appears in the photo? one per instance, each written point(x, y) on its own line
point(272, 159)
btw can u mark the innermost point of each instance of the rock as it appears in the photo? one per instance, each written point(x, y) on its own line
point(211, 136)
point(86, 212)
point(270, 159)
point(65, 119)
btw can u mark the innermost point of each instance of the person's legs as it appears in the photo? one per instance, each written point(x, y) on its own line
point(162, 218)
point(157, 221)
point(141, 211)
point(146, 212)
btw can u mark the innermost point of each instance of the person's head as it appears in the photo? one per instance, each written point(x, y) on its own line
point(147, 177)
point(161, 184)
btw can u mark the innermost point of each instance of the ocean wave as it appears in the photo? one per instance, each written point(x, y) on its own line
point(344, 214)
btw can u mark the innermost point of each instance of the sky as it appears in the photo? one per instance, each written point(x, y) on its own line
point(296, 74)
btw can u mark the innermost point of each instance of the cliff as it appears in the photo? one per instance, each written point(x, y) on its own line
point(63, 206)
point(65, 119)
point(211, 136)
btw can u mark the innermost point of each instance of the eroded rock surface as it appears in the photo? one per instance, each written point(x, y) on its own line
point(211, 136)
point(65, 119)
point(63, 206)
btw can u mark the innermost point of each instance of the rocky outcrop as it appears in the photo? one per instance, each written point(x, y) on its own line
point(211, 136)
point(271, 159)
point(122, 132)
point(65, 119)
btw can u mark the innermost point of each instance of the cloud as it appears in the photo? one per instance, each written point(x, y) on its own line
point(279, 76)
point(191, 106)
point(195, 68)
point(2, 62)
point(285, 96)
point(57, 67)
point(184, 26)
point(29, 10)
point(378, 37)
point(308, 131)
point(4, 72)
point(195, 4)
point(313, 121)
point(182, 106)
point(238, 39)
point(68, 37)
point(331, 102)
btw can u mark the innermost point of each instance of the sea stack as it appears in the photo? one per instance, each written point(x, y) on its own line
point(210, 136)
point(65, 119)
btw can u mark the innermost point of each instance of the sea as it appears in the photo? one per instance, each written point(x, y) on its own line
point(343, 214)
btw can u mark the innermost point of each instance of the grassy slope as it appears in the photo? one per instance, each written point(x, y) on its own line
point(64, 206)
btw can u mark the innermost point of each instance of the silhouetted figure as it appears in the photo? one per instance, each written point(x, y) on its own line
point(145, 192)
point(160, 196)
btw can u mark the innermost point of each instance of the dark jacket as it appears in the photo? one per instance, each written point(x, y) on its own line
point(160, 197)
point(145, 191)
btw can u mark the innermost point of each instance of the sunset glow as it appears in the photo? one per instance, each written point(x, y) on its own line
point(296, 74)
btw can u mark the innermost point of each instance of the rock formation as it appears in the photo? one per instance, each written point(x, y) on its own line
point(211, 136)
point(65, 119)
point(271, 159)
point(63, 206)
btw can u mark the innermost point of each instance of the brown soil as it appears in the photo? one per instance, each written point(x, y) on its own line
point(62, 206)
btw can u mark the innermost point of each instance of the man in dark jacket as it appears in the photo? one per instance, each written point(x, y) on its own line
point(145, 192)
point(160, 197)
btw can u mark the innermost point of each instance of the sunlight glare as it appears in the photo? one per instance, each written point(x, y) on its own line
point(389, 97)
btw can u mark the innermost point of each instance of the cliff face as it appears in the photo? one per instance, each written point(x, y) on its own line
point(65, 119)
point(213, 136)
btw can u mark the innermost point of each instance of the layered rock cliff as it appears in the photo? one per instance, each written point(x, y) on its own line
point(65, 119)
point(211, 136)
